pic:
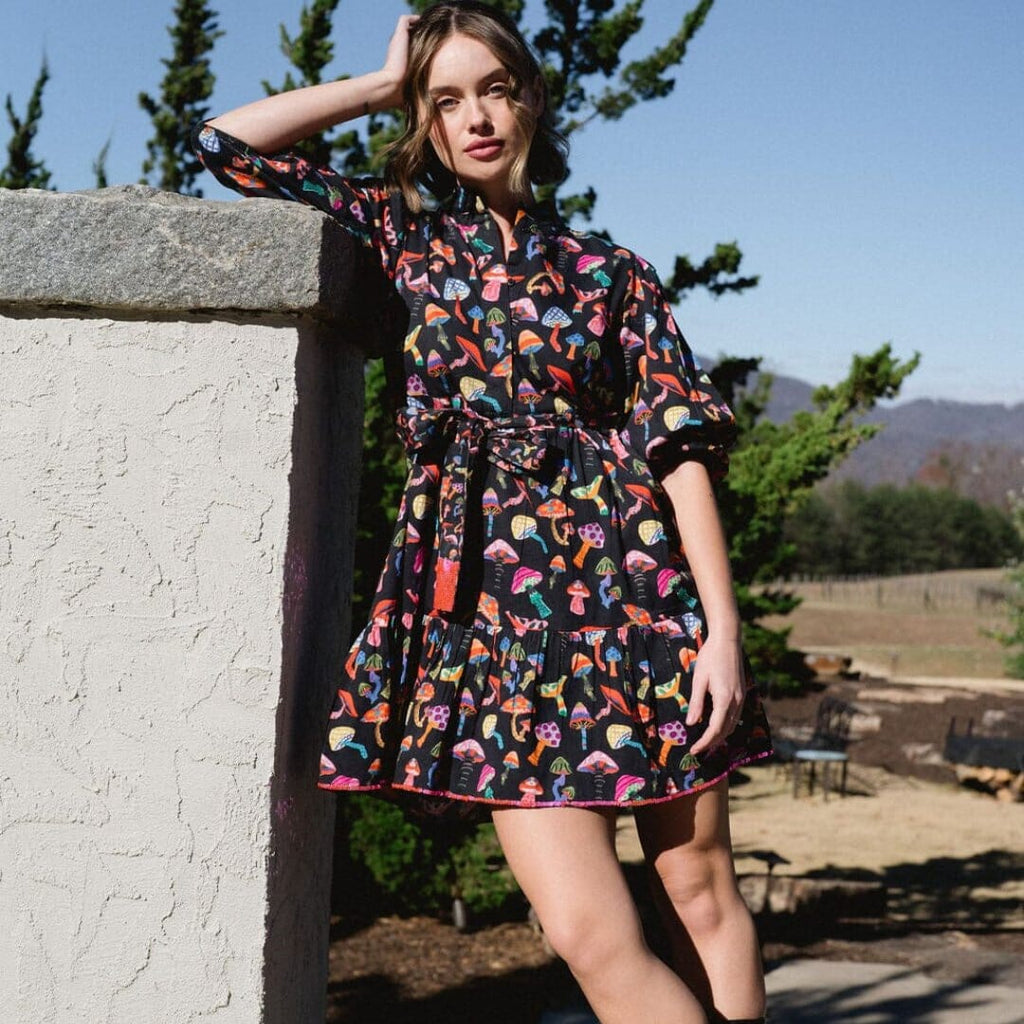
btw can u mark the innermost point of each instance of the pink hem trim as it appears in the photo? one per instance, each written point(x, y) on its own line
point(621, 804)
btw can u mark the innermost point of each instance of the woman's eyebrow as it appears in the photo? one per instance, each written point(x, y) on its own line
point(498, 72)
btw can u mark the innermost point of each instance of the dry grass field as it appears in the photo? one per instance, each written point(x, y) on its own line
point(903, 626)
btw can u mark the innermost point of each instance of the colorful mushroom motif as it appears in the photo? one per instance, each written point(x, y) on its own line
point(535, 623)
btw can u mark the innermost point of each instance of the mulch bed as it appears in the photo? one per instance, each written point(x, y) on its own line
point(421, 970)
point(910, 733)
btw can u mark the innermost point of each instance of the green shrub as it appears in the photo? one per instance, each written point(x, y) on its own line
point(482, 878)
point(389, 862)
point(1012, 638)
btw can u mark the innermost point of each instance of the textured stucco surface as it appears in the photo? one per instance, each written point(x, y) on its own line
point(176, 508)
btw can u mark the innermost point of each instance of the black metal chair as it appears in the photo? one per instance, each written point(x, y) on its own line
point(826, 747)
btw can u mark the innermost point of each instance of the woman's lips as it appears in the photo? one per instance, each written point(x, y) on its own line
point(485, 150)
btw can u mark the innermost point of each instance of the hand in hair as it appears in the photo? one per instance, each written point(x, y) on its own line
point(276, 122)
point(397, 60)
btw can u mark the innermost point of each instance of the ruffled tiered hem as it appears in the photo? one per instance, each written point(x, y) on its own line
point(502, 715)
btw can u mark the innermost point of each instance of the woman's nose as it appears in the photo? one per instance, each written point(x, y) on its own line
point(478, 118)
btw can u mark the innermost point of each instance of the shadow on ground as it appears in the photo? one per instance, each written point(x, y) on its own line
point(945, 892)
point(516, 997)
point(946, 916)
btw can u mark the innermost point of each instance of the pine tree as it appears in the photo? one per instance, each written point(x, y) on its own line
point(1012, 638)
point(309, 53)
point(23, 170)
point(186, 85)
point(99, 165)
point(772, 472)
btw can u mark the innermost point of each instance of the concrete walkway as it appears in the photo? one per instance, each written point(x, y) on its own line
point(838, 992)
point(805, 991)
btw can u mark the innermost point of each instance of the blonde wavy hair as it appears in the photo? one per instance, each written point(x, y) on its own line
point(412, 161)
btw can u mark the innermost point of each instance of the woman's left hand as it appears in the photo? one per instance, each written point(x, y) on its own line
point(718, 673)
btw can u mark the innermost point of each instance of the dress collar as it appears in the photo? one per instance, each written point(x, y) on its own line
point(465, 200)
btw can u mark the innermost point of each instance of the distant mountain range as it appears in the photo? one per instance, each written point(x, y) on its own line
point(975, 449)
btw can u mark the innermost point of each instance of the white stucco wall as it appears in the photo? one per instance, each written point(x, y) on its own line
point(176, 503)
point(143, 530)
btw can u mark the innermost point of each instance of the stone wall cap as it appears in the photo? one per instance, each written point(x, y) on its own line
point(138, 249)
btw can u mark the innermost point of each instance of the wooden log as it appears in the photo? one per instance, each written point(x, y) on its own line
point(819, 898)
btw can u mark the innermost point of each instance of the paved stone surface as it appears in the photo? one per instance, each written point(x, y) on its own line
point(837, 992)
point(803, 991)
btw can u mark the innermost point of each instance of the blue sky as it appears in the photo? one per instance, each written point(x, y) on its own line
point(867, 156)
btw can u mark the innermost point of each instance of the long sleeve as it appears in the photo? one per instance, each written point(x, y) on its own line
point(673, 411)
point(363, 206)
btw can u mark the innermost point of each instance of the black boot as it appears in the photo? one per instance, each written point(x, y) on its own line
point(716, 1018)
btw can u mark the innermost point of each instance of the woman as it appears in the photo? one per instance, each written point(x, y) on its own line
point(539, 645)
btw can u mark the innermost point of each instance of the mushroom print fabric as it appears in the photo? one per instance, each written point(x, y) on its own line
point(534, 629)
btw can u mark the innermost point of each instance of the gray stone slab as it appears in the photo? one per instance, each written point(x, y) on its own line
point(139, 249)
point(816, 991)
point(805, 991)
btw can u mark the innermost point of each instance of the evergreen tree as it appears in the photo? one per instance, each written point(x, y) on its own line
point(773, 469)
point(309, 53)
point(1012, 638)
point(186, 85)
point(853, 530)
point(99, 165)
point(23, 170)
point(775, 466)
point(581, 46)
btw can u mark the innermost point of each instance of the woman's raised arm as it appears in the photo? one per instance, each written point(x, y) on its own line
point(277, 122)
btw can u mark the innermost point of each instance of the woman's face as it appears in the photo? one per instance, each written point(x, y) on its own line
point(474, 130)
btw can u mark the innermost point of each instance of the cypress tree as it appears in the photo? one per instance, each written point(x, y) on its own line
point(186, 85)
point(23, 170)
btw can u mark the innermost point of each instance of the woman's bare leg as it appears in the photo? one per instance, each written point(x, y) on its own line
point(715, 950)
point(564, 860)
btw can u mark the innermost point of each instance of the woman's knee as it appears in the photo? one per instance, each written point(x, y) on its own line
point(589, 941)
point(701, 887)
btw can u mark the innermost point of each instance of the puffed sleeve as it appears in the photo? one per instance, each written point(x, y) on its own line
point(673, 412)
point(363, 206)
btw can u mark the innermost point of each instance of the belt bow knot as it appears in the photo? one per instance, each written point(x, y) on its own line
point(517, 444)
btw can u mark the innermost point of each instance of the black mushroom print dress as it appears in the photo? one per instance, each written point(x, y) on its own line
point(533, 633)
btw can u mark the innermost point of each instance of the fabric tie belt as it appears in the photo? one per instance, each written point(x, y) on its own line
point(516, 444)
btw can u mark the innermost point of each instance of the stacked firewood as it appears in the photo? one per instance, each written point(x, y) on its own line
point(1003, 783)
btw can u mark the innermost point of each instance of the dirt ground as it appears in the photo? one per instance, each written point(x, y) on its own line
point(951, 861)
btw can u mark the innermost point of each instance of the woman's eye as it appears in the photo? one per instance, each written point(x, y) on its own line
point(446, 103)
point(498, 89)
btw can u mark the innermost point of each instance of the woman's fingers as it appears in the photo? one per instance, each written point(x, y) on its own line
point(698, 695)
point(397, 60)
point(715, 732)
point(724, 717)
point(719, 672)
